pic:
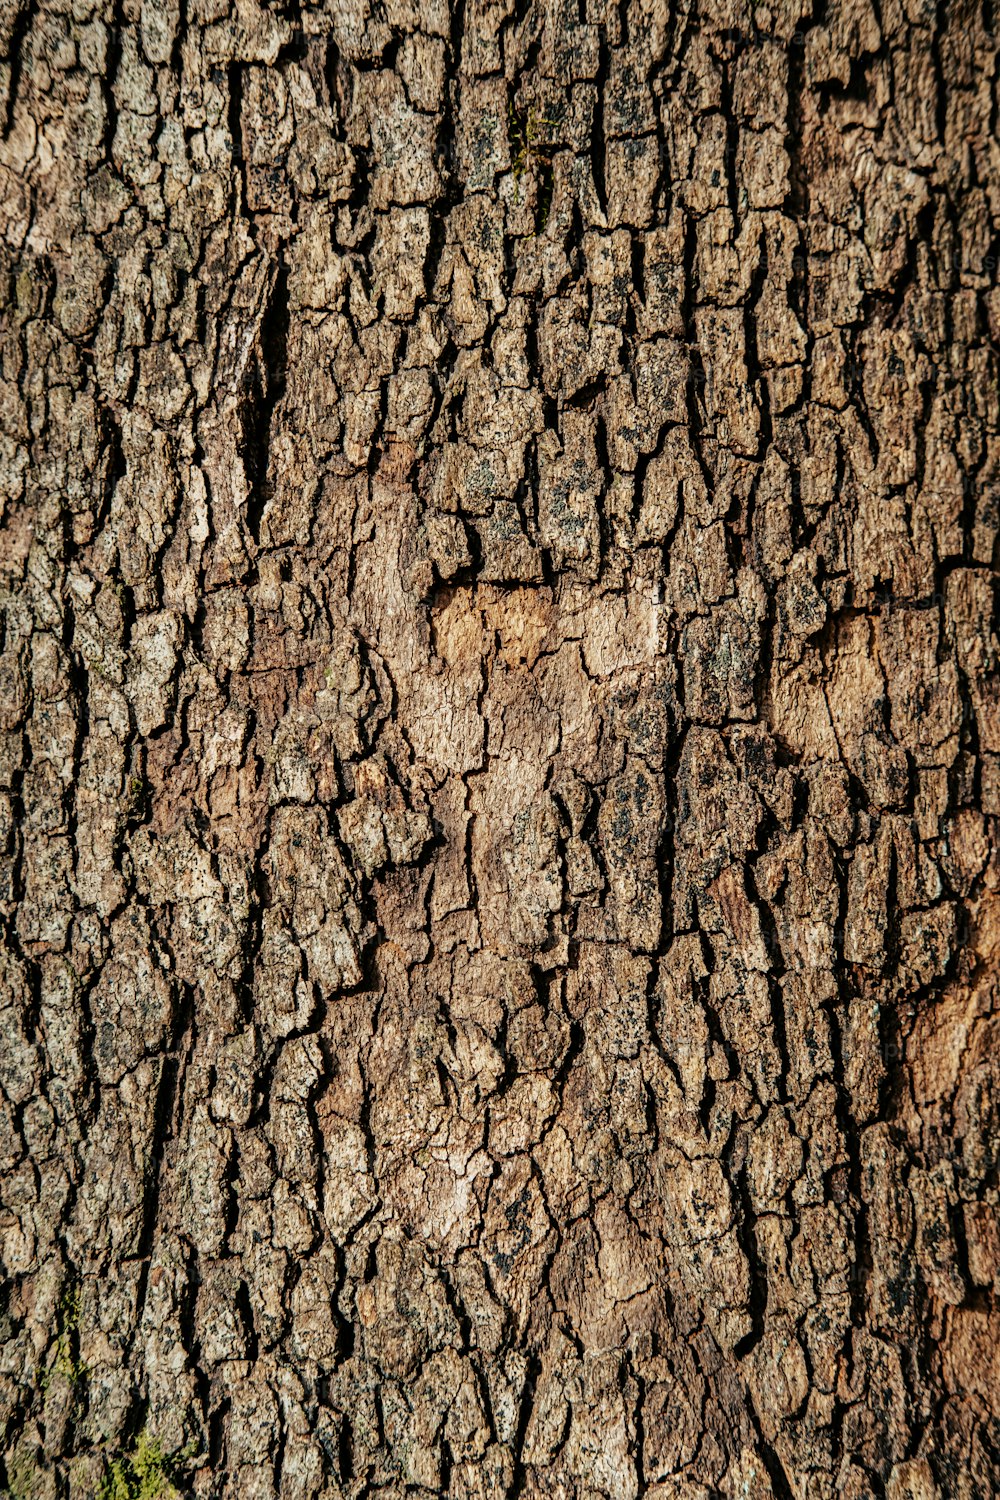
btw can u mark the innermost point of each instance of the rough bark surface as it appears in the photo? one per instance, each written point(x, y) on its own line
point(500, 750)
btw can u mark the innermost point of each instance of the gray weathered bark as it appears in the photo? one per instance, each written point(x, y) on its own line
point(499, 749)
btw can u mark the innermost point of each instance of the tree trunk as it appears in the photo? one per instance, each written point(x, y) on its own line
point(500, 750)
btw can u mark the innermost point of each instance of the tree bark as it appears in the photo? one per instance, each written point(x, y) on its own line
point(500, 750)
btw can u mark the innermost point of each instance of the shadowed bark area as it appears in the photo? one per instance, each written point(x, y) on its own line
point(499, 750)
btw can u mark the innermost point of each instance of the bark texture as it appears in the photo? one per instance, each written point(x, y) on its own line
point(500, 750)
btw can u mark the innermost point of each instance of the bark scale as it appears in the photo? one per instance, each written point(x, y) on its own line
point(499, 749)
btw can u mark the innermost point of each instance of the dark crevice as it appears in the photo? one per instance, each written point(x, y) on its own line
point(18, 43)
point(263, 389)
point(598, 144)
